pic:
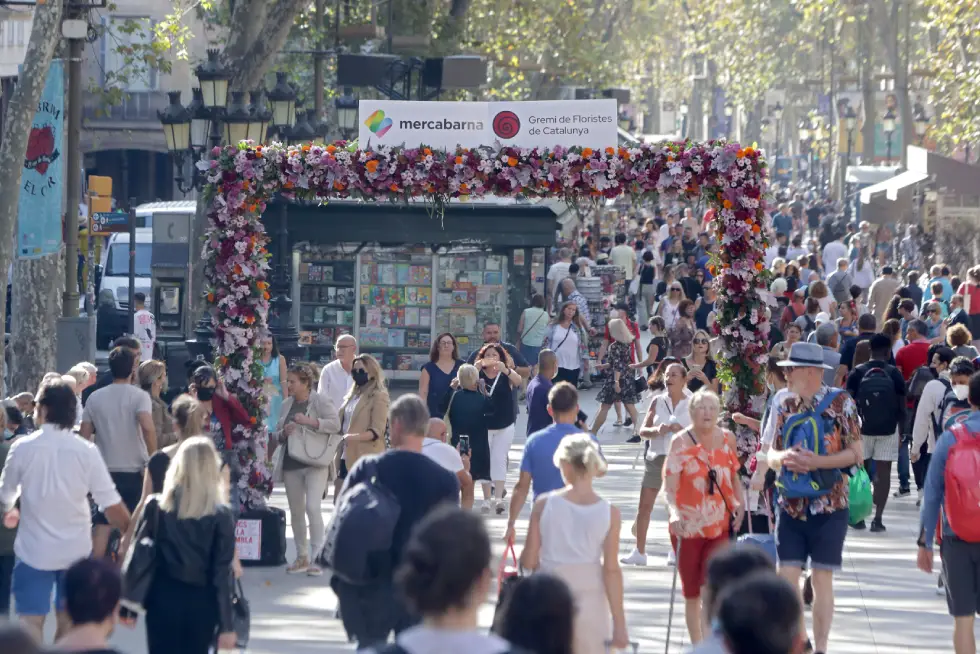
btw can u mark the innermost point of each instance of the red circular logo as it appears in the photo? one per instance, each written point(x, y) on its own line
point(506, 124)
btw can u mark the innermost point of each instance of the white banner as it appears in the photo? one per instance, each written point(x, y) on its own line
point(585, 123)
point(248, 539)
point(445, 125)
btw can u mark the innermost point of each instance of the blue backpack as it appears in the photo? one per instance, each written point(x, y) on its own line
point(806, 431)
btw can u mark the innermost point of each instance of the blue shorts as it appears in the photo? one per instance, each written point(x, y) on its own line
point(819, 539)
point(530, 353)
point(32, 589)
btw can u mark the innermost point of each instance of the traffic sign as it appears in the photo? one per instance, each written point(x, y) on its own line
point(107, 222)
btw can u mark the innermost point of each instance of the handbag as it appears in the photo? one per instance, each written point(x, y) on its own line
point(508, 576)
point(139, 567)
point(312, 448)
point(241, 615)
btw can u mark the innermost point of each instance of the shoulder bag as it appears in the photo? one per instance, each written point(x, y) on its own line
point(533, 324)
point(311, 447)
point(140, 565)
point(445, 418)
point(241, 615)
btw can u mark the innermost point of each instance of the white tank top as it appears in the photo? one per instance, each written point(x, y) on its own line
point(573, 533)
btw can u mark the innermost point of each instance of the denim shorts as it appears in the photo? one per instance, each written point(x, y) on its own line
point(819, 539)
point(32, 589)
point(530, 354)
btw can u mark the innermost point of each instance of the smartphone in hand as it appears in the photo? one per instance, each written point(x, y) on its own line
point(464, 444)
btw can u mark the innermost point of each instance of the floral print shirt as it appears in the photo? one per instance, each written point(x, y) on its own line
point(694, 511)
point(846, 431)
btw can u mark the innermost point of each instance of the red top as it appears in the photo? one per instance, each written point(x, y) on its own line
point(973, 291)
point(912, 356)
point(229, 413)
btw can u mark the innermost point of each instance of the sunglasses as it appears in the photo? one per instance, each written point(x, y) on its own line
point(675, 290)
point(700, 341)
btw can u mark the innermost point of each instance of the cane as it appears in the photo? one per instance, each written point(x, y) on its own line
point(673, 593)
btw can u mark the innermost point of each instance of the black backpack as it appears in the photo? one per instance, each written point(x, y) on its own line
point(949, 407)
point(360, 534)
point(877, 402)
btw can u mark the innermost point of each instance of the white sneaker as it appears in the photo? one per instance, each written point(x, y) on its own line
point(918, 502)
point(635, 558)
point(671, 559)
point(500, 508)
point(940, 586)
point(485, 508)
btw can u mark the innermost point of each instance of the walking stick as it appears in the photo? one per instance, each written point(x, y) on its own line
point(673, 593)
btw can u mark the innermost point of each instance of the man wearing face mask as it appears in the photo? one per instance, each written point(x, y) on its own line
point(939, 402)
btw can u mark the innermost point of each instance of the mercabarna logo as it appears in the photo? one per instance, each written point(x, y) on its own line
point(378, 124)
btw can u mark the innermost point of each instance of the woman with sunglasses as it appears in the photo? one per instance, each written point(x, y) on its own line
point(664, 285)
point(567, 341)
point(700, 483)
point(701, 369)
point(669, 308)
point(934, 319)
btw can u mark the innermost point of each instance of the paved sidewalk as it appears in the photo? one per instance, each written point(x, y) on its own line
point(884, 605)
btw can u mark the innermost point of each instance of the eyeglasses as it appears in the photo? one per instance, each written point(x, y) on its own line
point(675, 290)
point(700, 341)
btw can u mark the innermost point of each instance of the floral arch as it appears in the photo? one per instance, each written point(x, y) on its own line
point(730, 179)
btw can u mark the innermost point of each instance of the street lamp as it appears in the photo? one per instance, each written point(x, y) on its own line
point(346, 106)
point(303, 131)
point(777, 114)
point(805, 148)
point(921, 125)
point(684, 109)
point(282, 97)
point(259, 117)
point(819, 135)
point(214, 78)
point(200, 121)
point(729, 112)
point(176, 123)
point(888, 125)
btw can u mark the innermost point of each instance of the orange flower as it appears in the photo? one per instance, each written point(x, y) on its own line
point(372, 165)
point(331, 148)
point(610, 151)
point(306, 148)
point(238, 269)
point(338, 186)
point(464, 188)
point(266, 295)
point(727, 204)
point(749, 151)
point(253, 207)
point(740, 154)
point(210, 297)
point(758, 265)
point(262, 285)
point(249, 320)
point(756, 229)
point(712, 270)
point(393, 187)
point(587, 152)
point(288, 184)
point(459, 160)
point(427, 151)
point(252, 420)
point(511, 161)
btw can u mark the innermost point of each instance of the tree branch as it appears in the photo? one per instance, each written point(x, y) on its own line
point(251, 67)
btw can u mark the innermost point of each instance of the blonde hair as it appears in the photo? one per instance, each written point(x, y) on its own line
point(376, 377)
point(467, 376)
point(150, 372)
point(619, 331)
point(582, 453)
point(79, 373)
point(194, 485)
point(71, 382)
point(188, 416)
point(704, 396)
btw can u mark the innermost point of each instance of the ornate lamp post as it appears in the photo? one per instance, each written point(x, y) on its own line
point(819, 136)
point(850, 122)
point(282, 97)
point(777, 114)
point(729, 113)
point(805, 147)
point(684, 109)
point(921, 125)
point(346, 106)
point(888, 124)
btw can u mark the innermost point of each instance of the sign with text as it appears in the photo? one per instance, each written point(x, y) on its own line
point(248, 539)
point(39, 205)
point(107, 222)
point(586, 123)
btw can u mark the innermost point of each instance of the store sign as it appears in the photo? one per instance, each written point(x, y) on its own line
point(587, 123)
point(248, 539)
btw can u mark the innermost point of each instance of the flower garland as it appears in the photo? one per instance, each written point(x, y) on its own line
point(242, 178)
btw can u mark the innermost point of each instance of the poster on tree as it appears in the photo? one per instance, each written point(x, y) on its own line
point(39, 206)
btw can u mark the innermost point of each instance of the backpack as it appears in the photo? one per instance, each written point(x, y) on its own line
point(952, 411)
point(810, 325)
point(877, 403)
point(962, 477)
point(917, 383)
point(360, 534)
point(806, 430)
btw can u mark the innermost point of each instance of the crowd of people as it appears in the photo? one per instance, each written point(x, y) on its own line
point(872, 363)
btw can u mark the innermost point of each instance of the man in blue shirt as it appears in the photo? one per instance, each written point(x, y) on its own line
point(960, 559)
point(537, 392)
point(783, 221)
point(538, 469)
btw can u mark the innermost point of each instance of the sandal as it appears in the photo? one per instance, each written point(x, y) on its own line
point(299, 566)
point(314, 571)
point(618, 423)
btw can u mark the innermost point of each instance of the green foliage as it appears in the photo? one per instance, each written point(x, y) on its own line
point(955, 62)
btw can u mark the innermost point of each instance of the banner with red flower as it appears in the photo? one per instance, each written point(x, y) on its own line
point(242, 178)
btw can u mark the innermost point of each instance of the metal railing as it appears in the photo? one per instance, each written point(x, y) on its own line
point(136, 106)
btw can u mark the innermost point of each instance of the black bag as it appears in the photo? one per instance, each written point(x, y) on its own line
point(361, 531)
point(917, 383)
point(140, 565)
point(877, 403)
point(241, 615)
point(272, 536)
point(508, 577)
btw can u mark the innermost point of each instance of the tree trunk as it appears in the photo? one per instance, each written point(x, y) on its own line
point(45, 35)
point(36, 307)
point(256, 57)
point(888, 30)
point(867, 90)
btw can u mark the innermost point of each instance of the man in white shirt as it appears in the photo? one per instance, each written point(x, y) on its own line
point(54, 472)
point(336, 381)
point(832, 252)
point(624, 256)
point(436, 448)
point(558, 272)
point(144, 327)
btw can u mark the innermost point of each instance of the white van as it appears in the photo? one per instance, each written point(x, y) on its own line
point(115, 257)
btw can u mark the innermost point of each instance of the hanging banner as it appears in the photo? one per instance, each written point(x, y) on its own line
point(445, 125)
point(39, 206)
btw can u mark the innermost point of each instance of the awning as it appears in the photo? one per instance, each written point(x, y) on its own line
point(891, 187)
point(952, 175)
point(865, 175)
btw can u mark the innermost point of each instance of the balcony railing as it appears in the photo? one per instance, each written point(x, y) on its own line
point(136, 106)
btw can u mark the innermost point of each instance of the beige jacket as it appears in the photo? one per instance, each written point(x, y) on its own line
point(319, 407)
point(879, 295)
point(370, 414)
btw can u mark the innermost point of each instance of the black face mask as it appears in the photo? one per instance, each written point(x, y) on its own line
point(360, 376)
point(205, 394)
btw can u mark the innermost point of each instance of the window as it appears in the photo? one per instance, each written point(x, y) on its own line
point(121, 33)
point(117, 260)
